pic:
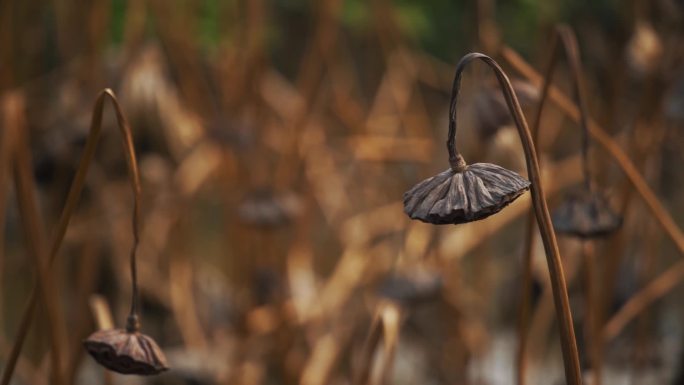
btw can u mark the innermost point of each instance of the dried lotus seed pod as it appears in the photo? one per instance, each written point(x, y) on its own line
point(126, 352)
point(586, 214)
point(411, 287)
point(265, 208)
point(454, 197)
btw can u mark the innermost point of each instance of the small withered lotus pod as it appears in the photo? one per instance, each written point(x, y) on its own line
point(263, 207)
point(126, 352)
point(464, 193)
point(586, 214)
point(411, 287)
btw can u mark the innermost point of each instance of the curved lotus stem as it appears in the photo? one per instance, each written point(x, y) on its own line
point(132, 323)
point(70, 205)
point(560, 293)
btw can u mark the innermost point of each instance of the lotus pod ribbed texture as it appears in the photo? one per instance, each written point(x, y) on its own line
point(454, 197)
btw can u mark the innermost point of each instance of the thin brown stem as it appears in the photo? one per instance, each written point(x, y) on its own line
point(88, 264)
point(525, 300)
point(33, 228)
point(657, 288)
point(567, 37)
point(7, 140)
point(560, 294)
point(592, 305)
point(526, 287)
point(564, 37)
point(71, 201)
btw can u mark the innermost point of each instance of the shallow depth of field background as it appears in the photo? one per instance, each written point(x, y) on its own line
point(275, 141)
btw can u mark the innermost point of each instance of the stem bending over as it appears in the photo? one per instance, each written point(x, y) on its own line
point(560, 295)
point(70, 205)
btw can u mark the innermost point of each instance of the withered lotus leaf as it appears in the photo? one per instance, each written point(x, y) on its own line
point(125, 352)
point(454, 197)
point(586, 214)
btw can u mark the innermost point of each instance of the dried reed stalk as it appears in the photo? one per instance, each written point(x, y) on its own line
point(592, 329)
point(86, 279)
point(657, 288)
point(526, 286)
point(391, 324)
point(7, 143)
point(563, 38)
point(370, 345)
point(181, 293)
point(33, 227)
point(384, 328)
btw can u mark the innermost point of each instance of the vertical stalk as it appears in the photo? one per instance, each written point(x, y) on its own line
point(568, 343)
point(525, 292)
point(7, 140)
point(566, 37)
point(592, 311)
point(34, 235)
point(526, 287)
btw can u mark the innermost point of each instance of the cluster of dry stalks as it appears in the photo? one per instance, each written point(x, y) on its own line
point(266, 241)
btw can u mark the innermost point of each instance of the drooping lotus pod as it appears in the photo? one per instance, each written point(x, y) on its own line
point(586, 214)
point(126, 352)
point(464, 195)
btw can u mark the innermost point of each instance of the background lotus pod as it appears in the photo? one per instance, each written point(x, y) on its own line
point(480, 190)
point(412, 287)
point(263, 207)
point(125, 352)
point(491, 111)
point(586, 214)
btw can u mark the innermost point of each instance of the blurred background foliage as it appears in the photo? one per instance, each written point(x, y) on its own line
point(276, 139)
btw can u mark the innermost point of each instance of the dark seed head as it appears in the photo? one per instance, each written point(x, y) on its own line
point(126, 353)
point(454, 197)
point(411, 288)
point(264, 208)
point(586, 214)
